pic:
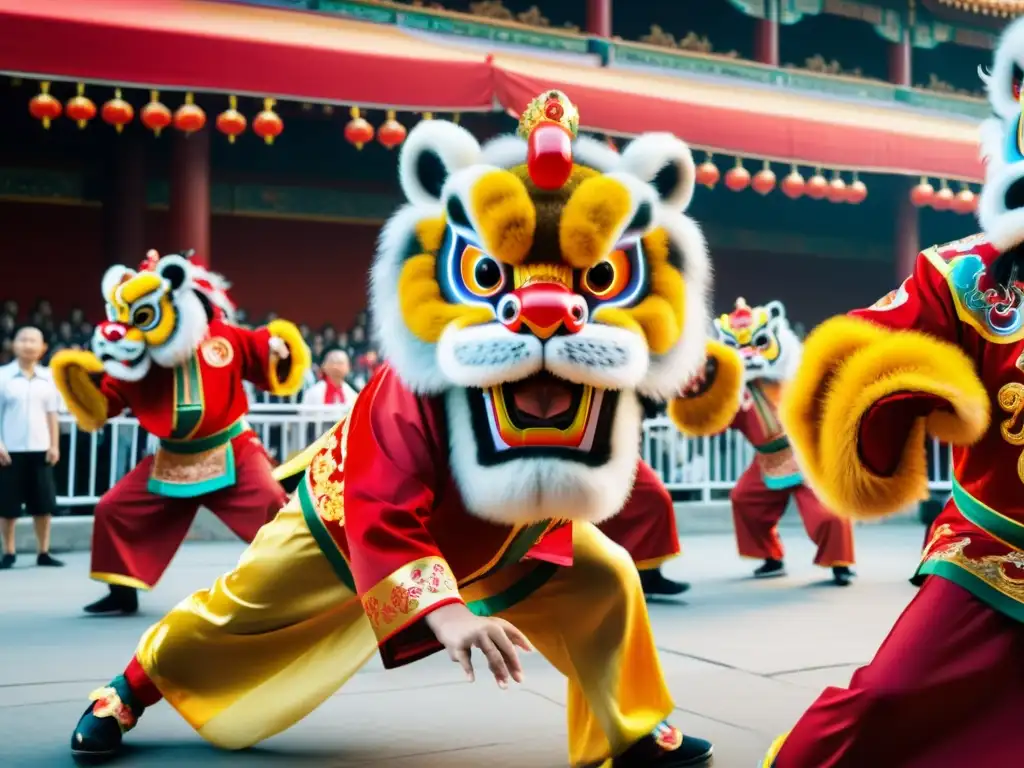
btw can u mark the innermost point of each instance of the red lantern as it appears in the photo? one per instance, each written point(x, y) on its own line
point(857, 192)
point(737, 178)
point(944, 198)
point(817, 186)
point(764, 180)
point(922, 194)
point(80, 108)
point(966, 201)
point(44, 107)
point(189, 117)
point(392, 133)
point(358, 131)
point(793, 185)
point(708, 173)
point(268, 125)
point(155, 115)
point(231, 122)
point(117, 112)
point(836, 190)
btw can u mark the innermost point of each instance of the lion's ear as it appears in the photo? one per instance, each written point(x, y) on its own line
point(175, 269)
point(1004, 81)
point(665, 163)
point(775, 310)
point(113, 277)
point(434, 150)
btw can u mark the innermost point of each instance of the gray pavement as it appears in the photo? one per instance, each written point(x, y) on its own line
point(743, 660)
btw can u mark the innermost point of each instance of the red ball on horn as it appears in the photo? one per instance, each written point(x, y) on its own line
point(549, 124)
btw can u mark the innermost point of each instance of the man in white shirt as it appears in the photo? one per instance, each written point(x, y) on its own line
point(331, 391)
point(29, 445)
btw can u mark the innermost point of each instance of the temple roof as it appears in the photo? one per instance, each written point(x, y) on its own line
point(996, 8)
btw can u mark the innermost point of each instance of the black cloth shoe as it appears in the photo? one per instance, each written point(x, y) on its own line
point(770, 569)
point(46, 560)
point(667, 747)
point(112, 712)
point(655, 583)
point(7, 561)
point(842, 575)
point(124, 600)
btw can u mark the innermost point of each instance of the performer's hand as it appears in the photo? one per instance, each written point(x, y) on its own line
point(279, 348)
point(702, 380)
point(459, 631)
point(52, 456)
point(5, 457)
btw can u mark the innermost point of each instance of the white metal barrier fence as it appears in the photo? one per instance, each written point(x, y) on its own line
point(703, 468)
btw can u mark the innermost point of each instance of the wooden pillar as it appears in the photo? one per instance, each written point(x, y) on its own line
point(124, 207)
point(907, 235)
point(599, 18)
point(900, 72)
point(766, 42)
point(190, 194)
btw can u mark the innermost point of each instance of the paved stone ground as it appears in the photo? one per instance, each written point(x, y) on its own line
point(743, 658)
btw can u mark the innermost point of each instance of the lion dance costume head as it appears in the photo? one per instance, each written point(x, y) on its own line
point(540, 283)
point(157, 314)
point(765, 341)
point(1001, 207)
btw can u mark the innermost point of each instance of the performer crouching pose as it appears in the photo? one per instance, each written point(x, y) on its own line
point(768, 353)
point(931, 359)
point(168, 354)
point(521, 306)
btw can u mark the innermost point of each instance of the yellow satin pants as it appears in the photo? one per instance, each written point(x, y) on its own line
point(278, 635)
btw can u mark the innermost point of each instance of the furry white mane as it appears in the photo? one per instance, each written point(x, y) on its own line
point(999, 212)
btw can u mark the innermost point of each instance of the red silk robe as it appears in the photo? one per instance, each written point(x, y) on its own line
point(381, 500)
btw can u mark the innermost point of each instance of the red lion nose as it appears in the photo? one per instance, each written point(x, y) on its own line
point(543, 308)
point(113, 331)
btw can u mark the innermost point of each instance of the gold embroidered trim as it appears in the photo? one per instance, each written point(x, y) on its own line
point(327, 475)
point(398, 599)
point(988, 569)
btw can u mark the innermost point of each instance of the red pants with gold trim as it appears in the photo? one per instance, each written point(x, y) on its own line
point(136, 533)
point(646, 526)
point(942, 692)
point(757, 509)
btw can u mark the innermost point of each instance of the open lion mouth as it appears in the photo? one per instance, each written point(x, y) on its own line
point(543, 415)
point(543, 400)
point(106, 357)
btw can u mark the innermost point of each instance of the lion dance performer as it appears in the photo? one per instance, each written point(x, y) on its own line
point(166, 353)
point(523, 297)
point(931, 359)
point(768, 352)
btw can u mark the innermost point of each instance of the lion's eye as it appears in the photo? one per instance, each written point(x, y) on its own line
point(143, 317)
point(483, 275)
point(608, 278)
point(762, 340)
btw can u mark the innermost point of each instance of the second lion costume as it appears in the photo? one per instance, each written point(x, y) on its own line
point(168, 354)
point(757, 344)
point(524, 295)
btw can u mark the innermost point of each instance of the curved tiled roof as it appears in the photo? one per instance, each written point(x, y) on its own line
point(996, 8)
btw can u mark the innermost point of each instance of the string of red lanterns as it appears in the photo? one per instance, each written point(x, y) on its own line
point(924, 195)
point(793, 186)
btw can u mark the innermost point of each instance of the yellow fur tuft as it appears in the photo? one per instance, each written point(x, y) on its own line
point(505, 214)
point(848, 366)
point(72, 371)
point(592, 219)
point(430, 233)
point(660, 322)
point(298, 361)
point(424, 310)
point(714, 410)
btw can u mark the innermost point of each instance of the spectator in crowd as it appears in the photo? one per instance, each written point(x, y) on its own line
point(333, 387)
point(29, 444)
